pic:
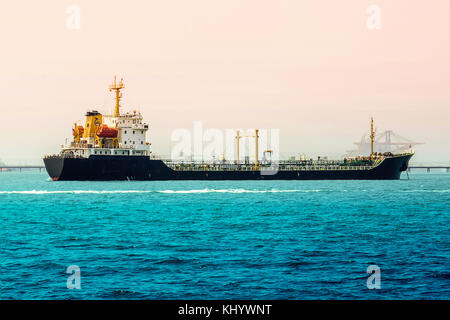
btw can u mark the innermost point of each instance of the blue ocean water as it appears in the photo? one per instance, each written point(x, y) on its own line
point(224, 240)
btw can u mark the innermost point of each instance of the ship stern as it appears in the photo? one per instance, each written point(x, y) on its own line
point(54, 166)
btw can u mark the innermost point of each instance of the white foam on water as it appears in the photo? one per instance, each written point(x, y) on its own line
point(233, 191)
point(419, 191)
point(43, 192)
point(74, 191)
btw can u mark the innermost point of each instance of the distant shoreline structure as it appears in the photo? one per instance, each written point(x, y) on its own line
point(386, 141)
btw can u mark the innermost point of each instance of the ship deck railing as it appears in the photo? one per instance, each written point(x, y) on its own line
point(76, 146)
point(283, 165)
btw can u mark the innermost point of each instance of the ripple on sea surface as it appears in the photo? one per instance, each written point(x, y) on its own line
point(224, 239)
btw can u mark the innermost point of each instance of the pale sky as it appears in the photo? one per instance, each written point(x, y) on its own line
point(311, 68)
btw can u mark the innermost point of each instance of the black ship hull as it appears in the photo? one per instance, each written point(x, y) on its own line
point(98, 167)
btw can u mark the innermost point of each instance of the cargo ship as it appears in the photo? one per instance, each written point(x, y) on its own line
point(114, 147)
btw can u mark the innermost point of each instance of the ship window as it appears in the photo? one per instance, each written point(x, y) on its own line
point(125, 131)
point(123, 152)
point(142, 142)
point(133, 131)
point(125, 142)
point(95, 152)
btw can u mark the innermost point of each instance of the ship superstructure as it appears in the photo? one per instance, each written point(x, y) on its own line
point(122, 134)
point(114, 147)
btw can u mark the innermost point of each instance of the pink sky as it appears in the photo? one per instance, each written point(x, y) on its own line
point(310, 68)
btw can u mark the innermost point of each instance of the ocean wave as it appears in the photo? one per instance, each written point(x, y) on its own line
point(233, 191)
point(422, 190)
point(38, 192)
point(73, 191)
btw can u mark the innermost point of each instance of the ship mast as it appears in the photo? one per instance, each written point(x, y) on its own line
point(256, 136)
point(117, 87)
point(372, 137)
point(237, 146)
point(256, 148)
